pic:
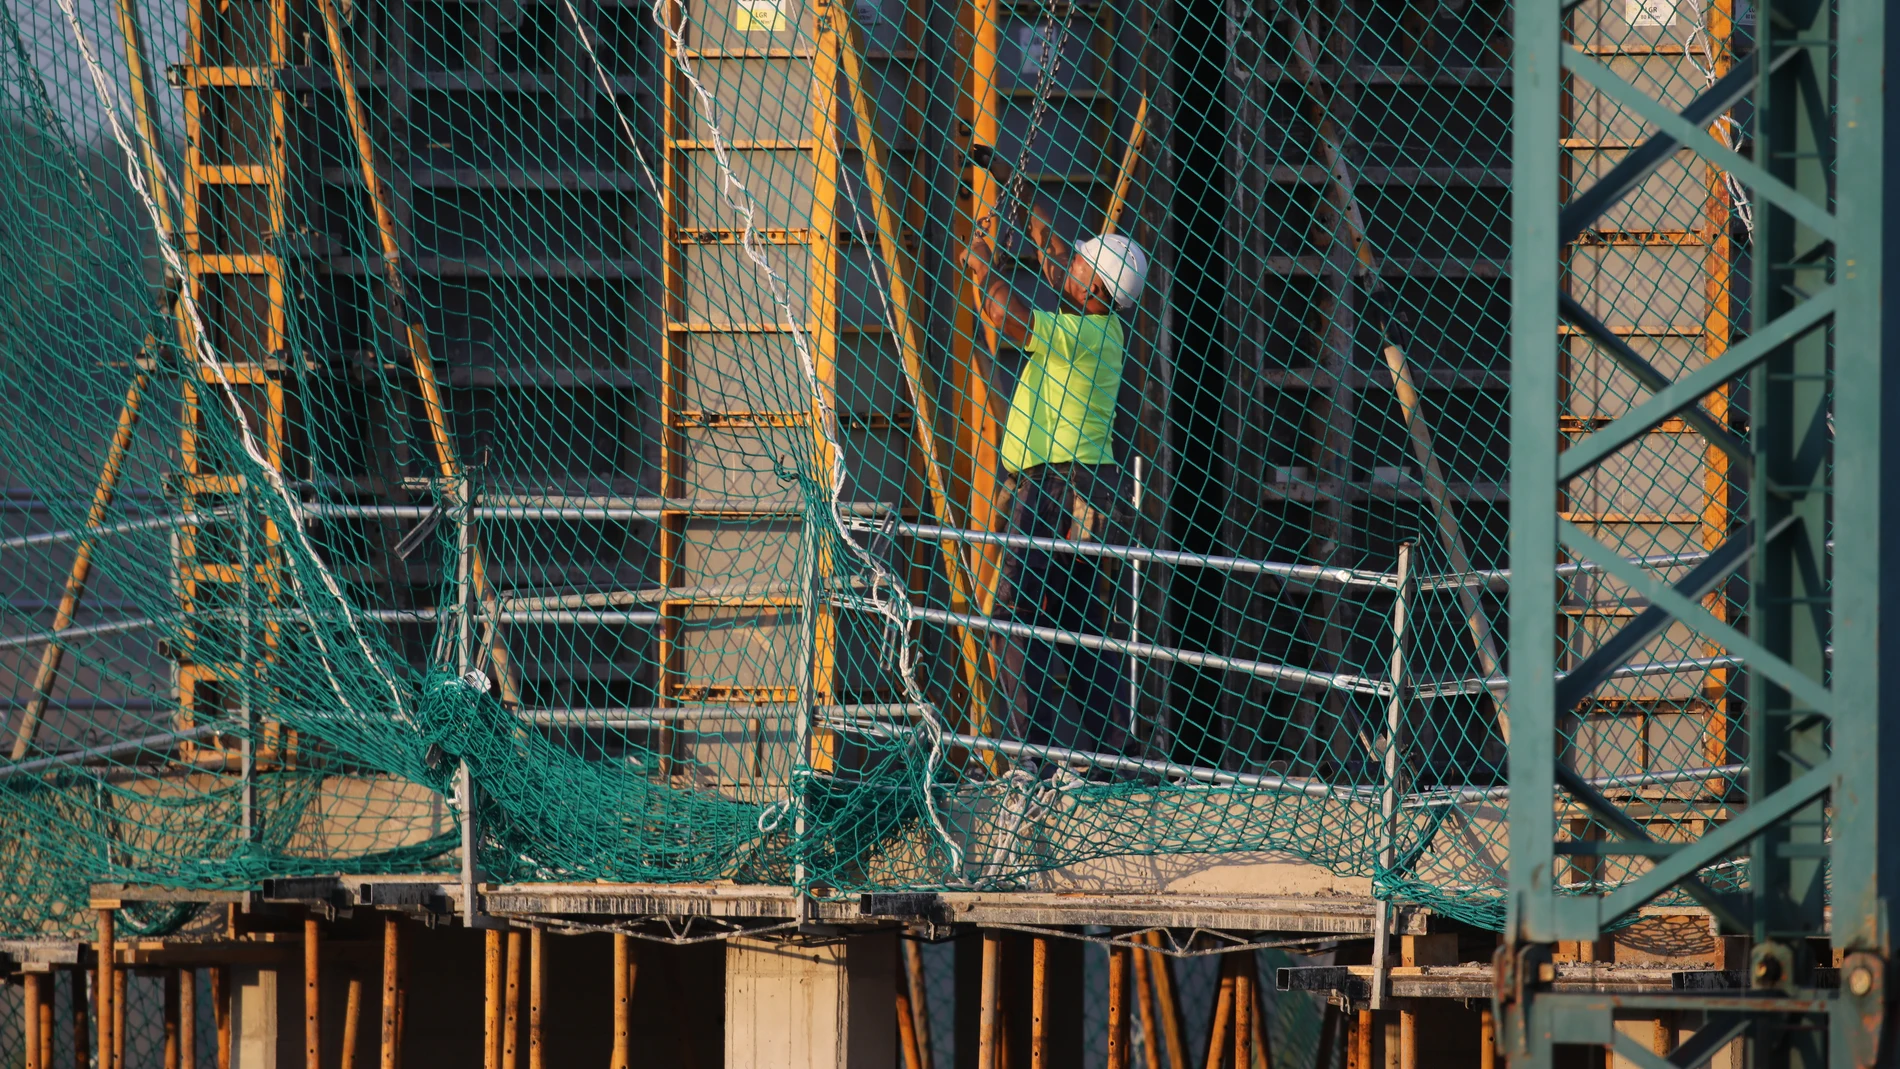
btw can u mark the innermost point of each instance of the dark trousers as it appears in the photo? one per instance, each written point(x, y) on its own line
point(1069, 592)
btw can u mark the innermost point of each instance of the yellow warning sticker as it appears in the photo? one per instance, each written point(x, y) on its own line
point(760, 16)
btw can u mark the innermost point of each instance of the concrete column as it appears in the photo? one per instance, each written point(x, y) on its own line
point(262, 998)
point(829, 1006)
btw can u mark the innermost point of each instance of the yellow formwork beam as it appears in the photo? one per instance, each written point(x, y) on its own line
point(980, 413)
point(827, 167)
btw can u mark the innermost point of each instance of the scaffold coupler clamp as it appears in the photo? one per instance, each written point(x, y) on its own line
point(1519, 970)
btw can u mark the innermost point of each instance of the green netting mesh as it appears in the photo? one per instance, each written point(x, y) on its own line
point(716, 440)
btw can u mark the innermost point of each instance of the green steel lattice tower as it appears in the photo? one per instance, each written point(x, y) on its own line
point(1807, 562)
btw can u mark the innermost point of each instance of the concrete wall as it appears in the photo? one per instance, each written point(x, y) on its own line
point(809, 1006)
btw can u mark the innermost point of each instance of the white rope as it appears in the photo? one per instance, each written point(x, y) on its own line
point(738, 200)
point(1731, 131)
point(203, 352)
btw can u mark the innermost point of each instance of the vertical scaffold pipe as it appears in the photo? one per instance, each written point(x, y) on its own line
point(31, 1019)
point(1389, 798)
point(511, 1001)
point(491, 998)
point(221, 1011)
point(312, 994)
point(104, 986)
point(623, 1001)
point(1244, 974)
point(82, 1022)
point(1172, 1031)
point(989, 995)
point(537, 980)
point(906, 1025)
point(170, 1016)
point(352, 1023)
point(391, 996)
point(48, 992)
point(1144, 1009)
point(188, 1018)
point(1117, 1007)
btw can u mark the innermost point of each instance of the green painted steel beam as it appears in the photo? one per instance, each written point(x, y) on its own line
point(1537, 88)
point(1696, 137)
point(1821, 546)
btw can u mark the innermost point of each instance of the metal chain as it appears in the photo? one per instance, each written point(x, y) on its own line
point(1049, 69)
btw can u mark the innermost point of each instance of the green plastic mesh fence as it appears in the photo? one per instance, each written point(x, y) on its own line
point(894, 445)
point(143, 1021)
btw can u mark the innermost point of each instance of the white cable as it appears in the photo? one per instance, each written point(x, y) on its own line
point(738, 200)
point(202, 351)
point(607, 85)
point(1731, 130)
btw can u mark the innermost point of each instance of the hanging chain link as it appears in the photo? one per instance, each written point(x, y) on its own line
point(1049, 69)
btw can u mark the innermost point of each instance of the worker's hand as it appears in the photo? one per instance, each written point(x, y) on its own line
point(976, 256)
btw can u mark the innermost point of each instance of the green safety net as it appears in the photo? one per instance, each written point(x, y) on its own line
point(582, 416)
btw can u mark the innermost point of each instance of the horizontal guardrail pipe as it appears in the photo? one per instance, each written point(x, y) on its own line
point(1280, 673)
point(1302, 677)
point(1500, 578)
point(623, 511)
point(1468, 795)
point(650, 716)
point(1269, 781)
point(149, 743)
point(1449, 687)
point(856, 718)
point(80, 534)
point(1304, 573)
point(650, 510)
point(67, 634)
point(1217, 777)
point(605, 617)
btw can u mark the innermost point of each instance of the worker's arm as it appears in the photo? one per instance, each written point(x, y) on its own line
point(1001, 308)
point(1052, 253)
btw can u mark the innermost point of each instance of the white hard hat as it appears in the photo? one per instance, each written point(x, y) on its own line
point(1120, 265)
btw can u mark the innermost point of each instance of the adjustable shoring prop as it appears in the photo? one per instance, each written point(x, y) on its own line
point(103, 492)
point(105, 489)
point(1125, 177)
point(972, 651)
point(1437, 492)
point(986, 424)
point(416, 340)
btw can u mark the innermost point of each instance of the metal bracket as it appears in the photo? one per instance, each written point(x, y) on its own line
point(324, 895)
point(927, 911)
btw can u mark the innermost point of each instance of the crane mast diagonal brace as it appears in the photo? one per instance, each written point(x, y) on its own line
point(1817, 860)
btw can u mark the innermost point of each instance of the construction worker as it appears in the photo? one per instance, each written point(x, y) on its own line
point(1063, 480)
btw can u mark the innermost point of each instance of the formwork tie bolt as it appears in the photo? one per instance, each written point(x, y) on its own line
point(1860, 981)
